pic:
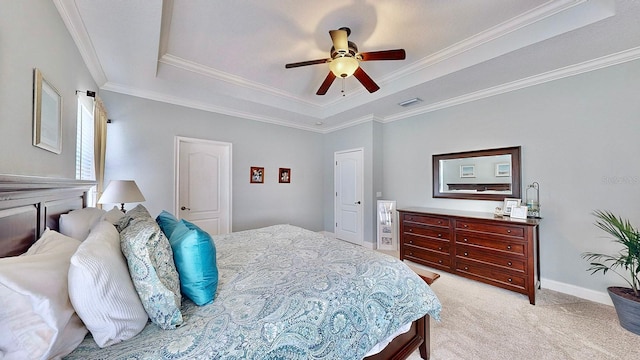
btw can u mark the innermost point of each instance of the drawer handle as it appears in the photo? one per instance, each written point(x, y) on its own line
point(439, 261)
point(510, 280)
point(411, 253)
point(439, 221)
point(466, 268)
point(440, 248)
point(508, 247)
point(439, 235)
point(466, 254)
point(465, 240)
point(410, 241)
point(410, 230)
point(465, 225)
point(509, 263)
point(509, 231)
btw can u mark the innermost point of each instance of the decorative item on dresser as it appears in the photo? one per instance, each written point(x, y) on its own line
point(492, 249)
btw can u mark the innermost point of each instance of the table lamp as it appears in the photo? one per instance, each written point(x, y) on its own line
point(121, 191)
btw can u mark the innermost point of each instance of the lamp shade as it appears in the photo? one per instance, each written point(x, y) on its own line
point(120, 192)
point(343, 66)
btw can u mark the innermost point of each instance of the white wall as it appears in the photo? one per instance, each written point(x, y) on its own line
point(580, 141)
point(32, 35)
point(140, 146)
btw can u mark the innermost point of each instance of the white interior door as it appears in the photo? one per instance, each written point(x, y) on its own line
point(203, 184)
point(349, 194)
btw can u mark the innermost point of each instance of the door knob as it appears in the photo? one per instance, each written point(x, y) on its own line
point(357, 202)
point(185, 208)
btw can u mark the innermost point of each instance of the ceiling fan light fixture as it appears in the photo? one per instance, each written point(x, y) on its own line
point(344, 66)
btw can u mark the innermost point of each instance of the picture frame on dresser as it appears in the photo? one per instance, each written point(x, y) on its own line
point(519, 212)
point(47, 114)
point(510, 203)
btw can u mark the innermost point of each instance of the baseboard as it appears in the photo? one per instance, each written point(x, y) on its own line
point(583, 293)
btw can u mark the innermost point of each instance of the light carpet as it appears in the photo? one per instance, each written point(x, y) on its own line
point(480, 321)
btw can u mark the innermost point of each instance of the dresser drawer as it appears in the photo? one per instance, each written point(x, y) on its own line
point(496, 243)
point(508, 230)
point(427, 220)
point(421, 255)
point(489, 257)
point(428, 231)
point(492, 275)
point(426, 243)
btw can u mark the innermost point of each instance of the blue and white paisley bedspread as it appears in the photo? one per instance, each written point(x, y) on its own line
point(287, 293)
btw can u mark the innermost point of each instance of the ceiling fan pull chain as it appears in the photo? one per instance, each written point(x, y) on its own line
point(343, 93)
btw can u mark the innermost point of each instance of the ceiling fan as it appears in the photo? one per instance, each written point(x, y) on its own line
point(345, 61)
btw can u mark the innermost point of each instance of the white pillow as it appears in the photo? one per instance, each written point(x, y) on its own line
point(101, 290)
point(78, 223)
point(113, 216)
point(37, 320)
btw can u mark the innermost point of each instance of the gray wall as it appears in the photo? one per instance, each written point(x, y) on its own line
point(140, 146)
point(579, 139)
point(32, 35)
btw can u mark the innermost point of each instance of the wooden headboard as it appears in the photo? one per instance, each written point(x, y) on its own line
point(28, 205)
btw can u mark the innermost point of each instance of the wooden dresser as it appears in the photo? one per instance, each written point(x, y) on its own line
point(495, 250)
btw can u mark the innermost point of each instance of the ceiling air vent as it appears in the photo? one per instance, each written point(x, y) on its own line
point(410, 102)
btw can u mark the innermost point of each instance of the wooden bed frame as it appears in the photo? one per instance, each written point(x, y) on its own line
point(28, 205)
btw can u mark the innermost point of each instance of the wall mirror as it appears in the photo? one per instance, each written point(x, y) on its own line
point(492, 174)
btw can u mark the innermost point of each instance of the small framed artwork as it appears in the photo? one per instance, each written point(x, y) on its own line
point(503, 169)
point(519, 212)
point(509, 204)
point(467, 171)
point(257, 175)
point(47, 110)
point(284, 175)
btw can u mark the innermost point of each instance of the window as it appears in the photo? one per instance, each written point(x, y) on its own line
point(85, 166)
point(85, 169)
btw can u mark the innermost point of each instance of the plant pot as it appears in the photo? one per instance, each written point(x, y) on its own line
point(627, 307)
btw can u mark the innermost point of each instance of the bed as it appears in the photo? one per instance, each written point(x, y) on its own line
point(252, 266)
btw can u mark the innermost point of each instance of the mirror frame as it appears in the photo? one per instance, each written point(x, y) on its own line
point(516, 183)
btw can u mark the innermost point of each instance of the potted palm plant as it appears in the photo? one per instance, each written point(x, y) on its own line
point(626, 264)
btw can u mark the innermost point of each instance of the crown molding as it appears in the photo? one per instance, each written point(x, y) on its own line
point(151, 95)
point(72, 20)
point(568, 71)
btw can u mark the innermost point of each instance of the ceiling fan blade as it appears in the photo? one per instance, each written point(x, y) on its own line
point(339, 38)
point(366, 81)
point(326, 84)
point(397, 54)
point(305, 63)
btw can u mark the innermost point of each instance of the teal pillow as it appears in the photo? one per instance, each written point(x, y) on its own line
point(195, 256)
point(167, 222)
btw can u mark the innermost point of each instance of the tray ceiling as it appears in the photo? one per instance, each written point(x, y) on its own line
point(228, 57)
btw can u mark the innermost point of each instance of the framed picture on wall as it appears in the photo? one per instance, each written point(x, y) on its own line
point(503, 169)
point(47, 110)
point(284, 175)
point(467, 171)
point(256, 175)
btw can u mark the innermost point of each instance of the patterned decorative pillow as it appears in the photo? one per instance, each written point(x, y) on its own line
point(150, 260)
